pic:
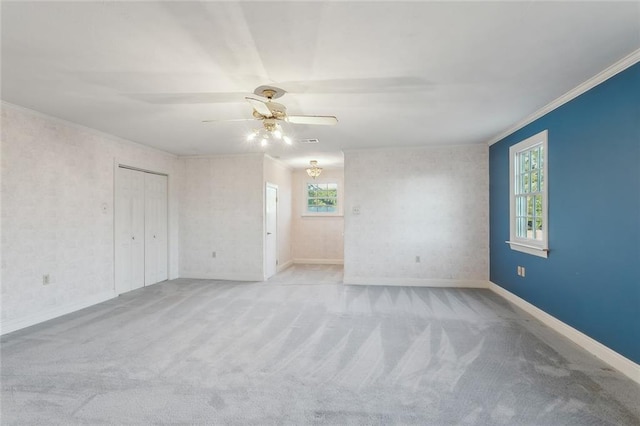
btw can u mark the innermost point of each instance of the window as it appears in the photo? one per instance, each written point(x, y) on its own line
point(321, 198)
point(529, 183)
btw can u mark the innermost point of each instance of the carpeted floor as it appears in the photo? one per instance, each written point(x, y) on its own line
point(304, 349)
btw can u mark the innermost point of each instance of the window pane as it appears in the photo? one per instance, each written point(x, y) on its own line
point(541, 179)
point(521, 203)
point(332, 186)
point(538, 228)
point(529, 206)
point(520, 227)
point(331, 209)
point(312, 209)
point(534, 182)
point(538, 211)
point(534, 159)
point(525, 157)
point(520, 187)
point(525, 183)
point(520, 163)
point(311, 190)
point(529, 227)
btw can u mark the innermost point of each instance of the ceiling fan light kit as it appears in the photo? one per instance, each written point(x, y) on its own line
point(270, 130)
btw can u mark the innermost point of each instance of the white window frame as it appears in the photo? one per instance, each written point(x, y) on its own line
point(528, 245)
point(305, 197)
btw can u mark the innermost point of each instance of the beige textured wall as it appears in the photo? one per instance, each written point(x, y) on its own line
point(221, 210)
point(57, 214)
point(316, 239)
point(431, 202)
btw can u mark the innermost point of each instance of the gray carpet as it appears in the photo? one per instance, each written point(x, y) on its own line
point(302, 349)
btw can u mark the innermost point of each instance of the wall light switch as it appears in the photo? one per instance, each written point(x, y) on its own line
point(522, 273)
point(356, 210)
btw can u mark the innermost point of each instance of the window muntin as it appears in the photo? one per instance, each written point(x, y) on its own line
point(528, 186)
point(322, 198)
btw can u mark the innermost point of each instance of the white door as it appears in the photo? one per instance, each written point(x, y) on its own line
point(271, 222)
point(129, 230)
point(156, 241)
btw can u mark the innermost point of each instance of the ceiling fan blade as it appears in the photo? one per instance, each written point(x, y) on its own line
point(232, 119)
point(260, 106)
point(328, 120)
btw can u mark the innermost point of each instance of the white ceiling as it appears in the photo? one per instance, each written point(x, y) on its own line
point(395, 74)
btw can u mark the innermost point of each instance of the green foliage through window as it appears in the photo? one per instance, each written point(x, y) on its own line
point(322, 197)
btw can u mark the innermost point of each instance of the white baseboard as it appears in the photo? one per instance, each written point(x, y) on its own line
point(8, 326)
point(611, 357)
point(285, 265)
point(222, 276)
point(415, 282)
point(319, 261)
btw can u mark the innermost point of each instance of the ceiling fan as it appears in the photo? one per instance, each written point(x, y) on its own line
point(271, 113)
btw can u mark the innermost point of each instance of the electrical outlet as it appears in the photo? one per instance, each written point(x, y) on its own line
point(213, 254)
point(46, 279)
point(417, 259)
point(356, 210)
point(520, 271)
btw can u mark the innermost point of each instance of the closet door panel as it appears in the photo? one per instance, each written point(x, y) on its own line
point(155, 229)
point(137, 229)
point(123, 226)
point(163, 229)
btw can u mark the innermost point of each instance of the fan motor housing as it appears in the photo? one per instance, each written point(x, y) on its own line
point(269, 92)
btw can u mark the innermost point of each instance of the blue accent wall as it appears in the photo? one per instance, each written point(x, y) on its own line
point(591, 279)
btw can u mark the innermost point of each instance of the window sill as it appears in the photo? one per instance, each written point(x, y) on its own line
point(529, 249)
point(322, 215)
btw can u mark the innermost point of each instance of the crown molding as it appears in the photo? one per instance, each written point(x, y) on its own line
point(599, 78)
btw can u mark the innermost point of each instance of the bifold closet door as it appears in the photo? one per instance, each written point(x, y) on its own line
point(155, 223)
point(129, 230)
